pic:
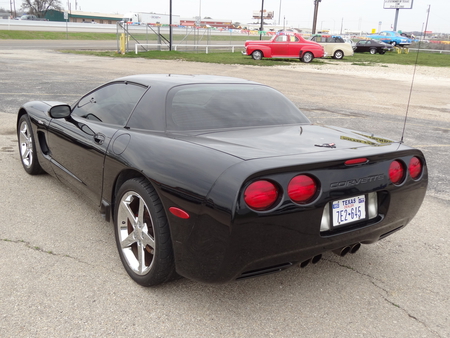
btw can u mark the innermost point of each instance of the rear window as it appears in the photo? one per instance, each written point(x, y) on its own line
point(218, 106)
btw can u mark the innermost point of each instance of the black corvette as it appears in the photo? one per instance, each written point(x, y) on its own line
point(217, 179)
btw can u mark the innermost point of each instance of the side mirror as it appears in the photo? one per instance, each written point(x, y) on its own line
point(60, 111)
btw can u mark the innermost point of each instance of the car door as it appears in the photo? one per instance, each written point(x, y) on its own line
point(78, 144)
point(294, 46)
point(362, 46)
point(279, 46)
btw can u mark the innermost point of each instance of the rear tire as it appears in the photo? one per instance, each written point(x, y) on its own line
point(257, 55)
point(27, 147)
point(373, 51)
point(338, 55)
point(307, 57)
point(142, 234)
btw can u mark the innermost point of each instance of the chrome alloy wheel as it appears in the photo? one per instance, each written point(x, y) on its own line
point(26, 144)
point(136, 233)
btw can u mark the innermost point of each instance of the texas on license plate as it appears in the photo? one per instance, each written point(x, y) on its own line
point(349, 210)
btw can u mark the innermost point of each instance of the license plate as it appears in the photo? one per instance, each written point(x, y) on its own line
point(349, 210)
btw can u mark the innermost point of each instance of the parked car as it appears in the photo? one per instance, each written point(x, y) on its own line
point(372, 46)
point(335, 46)
point(218, 178)
point(351, 42)
point(392, 38)
point(284, 45)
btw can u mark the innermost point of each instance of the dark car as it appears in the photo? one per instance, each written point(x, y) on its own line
point(217, 179)
point(372, 46)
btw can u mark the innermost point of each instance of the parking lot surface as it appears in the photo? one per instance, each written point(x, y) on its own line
point(59, 268)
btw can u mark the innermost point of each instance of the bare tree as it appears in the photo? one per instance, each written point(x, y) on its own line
point(40, 7)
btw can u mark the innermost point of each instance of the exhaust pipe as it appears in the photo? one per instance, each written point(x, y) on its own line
point(316, 259)
point(354, 248)
point(305, 263)
point(342, 251)
point(347, 249)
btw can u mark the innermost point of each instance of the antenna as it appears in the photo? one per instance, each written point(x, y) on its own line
point(414, 74)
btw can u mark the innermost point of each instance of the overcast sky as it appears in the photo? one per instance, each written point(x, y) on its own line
point(355, 14)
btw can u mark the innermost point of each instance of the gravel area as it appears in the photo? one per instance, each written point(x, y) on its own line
point(423, 75)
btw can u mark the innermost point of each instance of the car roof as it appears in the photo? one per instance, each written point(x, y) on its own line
point(171, 80)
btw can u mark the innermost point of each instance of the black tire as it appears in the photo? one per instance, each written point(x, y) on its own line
point(307, 57)
point(257, 55)
point(382, 52)
point(27, 146)
point(338, 55)
point(373, 51)
point(393, 43)
point(142, 234)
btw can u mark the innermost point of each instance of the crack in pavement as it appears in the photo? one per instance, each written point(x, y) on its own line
point(373, 280)
point(39, 249)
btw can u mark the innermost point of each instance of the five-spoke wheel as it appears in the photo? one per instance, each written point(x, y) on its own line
point(27, 148)
point(142, 233)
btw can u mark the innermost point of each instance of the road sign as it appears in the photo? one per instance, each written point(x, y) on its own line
point(398, 4)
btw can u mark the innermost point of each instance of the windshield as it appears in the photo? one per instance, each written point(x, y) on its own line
point(217, 106)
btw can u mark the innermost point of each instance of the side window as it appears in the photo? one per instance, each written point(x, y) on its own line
point(293, 38)
point(281, 38)
point(112, 103)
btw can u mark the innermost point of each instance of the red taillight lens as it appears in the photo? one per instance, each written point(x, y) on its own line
point(302, 188)
point(356, 161)
point(396, 172)
point(415, 168)
point(261, 195)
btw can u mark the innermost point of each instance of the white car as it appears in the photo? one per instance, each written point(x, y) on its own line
point(335, 46)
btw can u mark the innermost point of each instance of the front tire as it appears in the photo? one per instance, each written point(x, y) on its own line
point(307, 57)
point(27, 147)
point(257, 55)
point(142, 234)
point(338, 55)
point(393, 43)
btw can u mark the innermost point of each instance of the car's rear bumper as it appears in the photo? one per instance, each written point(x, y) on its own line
point(217, 249)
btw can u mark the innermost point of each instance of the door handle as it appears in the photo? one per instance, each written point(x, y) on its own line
point(99, 138)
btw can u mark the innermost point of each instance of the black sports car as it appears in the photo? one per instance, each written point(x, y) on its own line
point(372, 46)
point(217, 178)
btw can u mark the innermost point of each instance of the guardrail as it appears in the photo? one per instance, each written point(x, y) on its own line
point(207, 47)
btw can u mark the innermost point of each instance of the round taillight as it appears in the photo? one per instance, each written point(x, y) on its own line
point(302, 188)
point(396, 172)
point(415, 168)
point(261, 195)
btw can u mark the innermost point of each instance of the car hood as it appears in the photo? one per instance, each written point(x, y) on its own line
point(283, 140)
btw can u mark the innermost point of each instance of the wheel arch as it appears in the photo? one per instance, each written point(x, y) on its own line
point(121, 178)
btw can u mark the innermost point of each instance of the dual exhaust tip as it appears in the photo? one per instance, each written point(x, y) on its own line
point(347, 249)
point(340, 252)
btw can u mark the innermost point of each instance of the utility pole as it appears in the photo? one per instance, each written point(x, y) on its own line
point(262, 21)
point(170, 26)
point(316, 11)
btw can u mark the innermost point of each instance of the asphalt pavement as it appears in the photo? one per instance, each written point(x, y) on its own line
point(61, 275)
